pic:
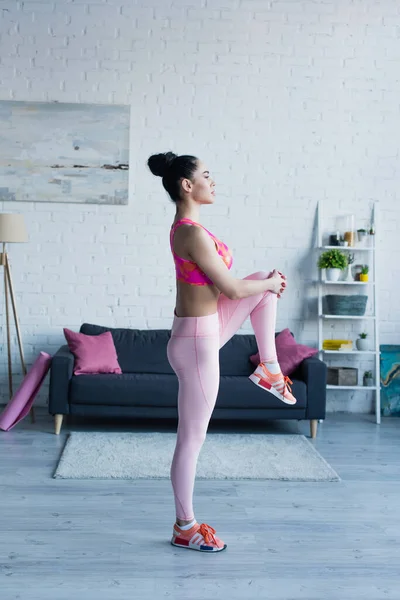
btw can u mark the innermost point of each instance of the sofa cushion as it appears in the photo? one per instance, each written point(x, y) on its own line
point(93, 354)
point(128, 389)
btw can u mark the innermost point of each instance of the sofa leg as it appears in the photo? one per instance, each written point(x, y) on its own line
point(58, 419)
point(313, 428)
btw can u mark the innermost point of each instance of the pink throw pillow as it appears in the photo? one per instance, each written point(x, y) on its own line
point(290, 353)
point(93, 353)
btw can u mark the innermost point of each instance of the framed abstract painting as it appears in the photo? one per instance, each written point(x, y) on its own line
point(390, 379)
point(64, 152)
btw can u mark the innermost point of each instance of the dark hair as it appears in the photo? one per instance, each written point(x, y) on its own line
point(172, 168)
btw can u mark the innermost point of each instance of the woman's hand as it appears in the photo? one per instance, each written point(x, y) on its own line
point(278, 281)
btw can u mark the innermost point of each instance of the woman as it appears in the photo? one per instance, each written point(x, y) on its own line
point(211, 306)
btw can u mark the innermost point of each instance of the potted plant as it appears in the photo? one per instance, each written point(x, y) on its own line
point(368, 380)
point(361, 234)
point(364, 273)
point(334, 261)
point(362, 342)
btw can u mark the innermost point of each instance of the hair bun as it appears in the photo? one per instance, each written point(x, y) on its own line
point(159, 163)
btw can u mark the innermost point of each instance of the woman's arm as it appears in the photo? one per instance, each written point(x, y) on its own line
point(201, 249)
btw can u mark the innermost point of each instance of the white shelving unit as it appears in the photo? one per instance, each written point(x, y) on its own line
point(368, 253)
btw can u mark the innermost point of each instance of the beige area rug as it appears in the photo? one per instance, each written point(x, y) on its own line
point(113, 455)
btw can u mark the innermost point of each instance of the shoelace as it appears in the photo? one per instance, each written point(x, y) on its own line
point(286, 380)
point(208, 533)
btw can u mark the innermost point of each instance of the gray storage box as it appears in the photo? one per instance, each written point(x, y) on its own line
point(342, 376)
point(354, 304)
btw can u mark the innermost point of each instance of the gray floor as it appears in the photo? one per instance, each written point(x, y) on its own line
point(109, 540)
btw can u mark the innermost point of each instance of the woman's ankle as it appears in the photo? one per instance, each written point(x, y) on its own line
point(183, 522)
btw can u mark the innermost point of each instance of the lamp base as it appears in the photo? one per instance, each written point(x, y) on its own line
point(8, 289)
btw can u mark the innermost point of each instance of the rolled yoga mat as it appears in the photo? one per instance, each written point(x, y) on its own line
point(21, 402)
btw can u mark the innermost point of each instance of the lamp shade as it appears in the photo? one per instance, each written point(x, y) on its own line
point(12, 228)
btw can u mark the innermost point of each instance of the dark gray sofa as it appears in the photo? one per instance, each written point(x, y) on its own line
point(148, 387)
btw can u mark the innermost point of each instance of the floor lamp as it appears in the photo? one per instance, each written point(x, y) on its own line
point(12, 230)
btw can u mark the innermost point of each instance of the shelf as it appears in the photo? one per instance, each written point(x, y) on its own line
point(346, 282)
point(349, 351)
point(345, 317)
point(350, 248)
point(351, 387)
point(365, 250)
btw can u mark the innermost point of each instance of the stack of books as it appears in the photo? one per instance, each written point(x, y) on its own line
point(337, 345)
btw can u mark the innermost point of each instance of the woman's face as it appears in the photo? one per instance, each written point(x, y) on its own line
point(202, 185)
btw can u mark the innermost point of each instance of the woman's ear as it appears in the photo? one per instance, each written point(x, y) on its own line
point(186, 185)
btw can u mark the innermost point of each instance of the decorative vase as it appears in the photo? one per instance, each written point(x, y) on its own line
point(349, 277)
point(368, 381)
point(350, 238)
point(349, 229)
point(333, 274)
point(362, 344)
point(363, 278)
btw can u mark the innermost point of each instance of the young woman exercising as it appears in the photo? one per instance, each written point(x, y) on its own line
point(211, 306)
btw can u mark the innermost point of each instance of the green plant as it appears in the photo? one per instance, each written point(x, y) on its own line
point(364, 270)
point(332, 259)
point(363, 335)
point(362, 230)
point(368, 374)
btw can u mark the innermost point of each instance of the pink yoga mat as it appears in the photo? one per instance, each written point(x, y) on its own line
point(20, 404)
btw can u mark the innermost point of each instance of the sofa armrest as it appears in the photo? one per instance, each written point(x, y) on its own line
point(61, 370)
point(313, 372)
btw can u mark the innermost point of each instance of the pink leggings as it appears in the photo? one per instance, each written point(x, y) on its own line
point(193, 353)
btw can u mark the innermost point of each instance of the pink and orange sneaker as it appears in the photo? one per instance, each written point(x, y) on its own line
point(199, 537)
point(277, 384)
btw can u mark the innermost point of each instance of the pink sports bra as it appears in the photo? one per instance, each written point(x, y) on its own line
point(187, 270)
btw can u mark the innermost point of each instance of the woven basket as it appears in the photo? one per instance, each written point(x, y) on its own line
point(354, 305)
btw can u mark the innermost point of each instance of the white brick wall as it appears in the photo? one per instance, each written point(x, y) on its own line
point(288, 103)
